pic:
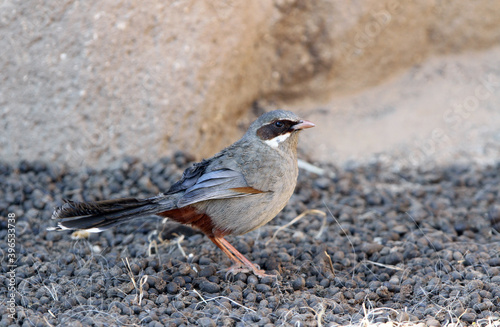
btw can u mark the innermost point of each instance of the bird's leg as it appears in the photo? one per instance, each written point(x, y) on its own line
point(217, 242)
point(237, 257)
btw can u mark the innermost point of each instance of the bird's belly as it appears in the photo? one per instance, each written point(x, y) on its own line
point(241, 215)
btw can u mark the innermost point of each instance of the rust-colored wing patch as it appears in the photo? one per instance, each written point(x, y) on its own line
point(248, 189)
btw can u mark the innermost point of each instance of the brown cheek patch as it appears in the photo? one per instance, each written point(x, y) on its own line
point(269, 131)
point(266, 132)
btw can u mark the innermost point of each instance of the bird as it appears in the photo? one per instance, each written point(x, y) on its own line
point(236, 191)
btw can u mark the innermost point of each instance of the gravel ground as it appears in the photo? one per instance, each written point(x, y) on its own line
point(407, 245)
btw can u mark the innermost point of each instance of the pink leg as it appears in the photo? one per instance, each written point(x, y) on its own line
point(237, 257)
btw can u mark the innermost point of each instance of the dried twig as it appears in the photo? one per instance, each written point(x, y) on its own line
point(310, 168)
point(152, 245)
point(225, 297)
point(80, 234)
point(383, 265)
point(201, 297)
point(178, 241)
point(142, 282)
point(323, 226)
point(320, 315)
point(138, 289)
point(331, 263)
point(299, 217)
point(129, 271)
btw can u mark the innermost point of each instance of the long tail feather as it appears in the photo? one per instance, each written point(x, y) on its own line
point(101, 215)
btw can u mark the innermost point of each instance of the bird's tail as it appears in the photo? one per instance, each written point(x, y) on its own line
point(100, 215)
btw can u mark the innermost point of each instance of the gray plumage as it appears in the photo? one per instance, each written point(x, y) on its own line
point(236, 191)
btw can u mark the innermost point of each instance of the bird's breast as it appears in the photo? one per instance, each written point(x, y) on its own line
point(277, 180)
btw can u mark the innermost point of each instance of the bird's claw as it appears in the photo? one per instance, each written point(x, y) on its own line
point(244, 269)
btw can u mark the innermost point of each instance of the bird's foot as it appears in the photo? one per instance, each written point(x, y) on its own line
point(236, 269)
point(242, 263)
point(245, 269)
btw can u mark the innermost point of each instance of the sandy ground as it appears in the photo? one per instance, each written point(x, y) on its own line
point(86, 83)
point(445, 109)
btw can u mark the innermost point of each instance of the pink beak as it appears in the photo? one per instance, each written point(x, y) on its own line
point(303, 124)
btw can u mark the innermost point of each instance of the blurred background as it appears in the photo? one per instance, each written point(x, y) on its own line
point(86, 82)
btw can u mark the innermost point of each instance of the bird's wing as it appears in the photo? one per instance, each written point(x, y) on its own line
point(189, 177)
point(218, 184)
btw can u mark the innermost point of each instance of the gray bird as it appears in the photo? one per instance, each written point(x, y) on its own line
point(236, 191)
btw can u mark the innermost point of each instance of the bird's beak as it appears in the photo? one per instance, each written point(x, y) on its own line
point(303, 124)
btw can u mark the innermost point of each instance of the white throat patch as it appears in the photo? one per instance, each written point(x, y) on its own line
point(275, 142)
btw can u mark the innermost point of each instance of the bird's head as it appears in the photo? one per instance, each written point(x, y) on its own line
point(278, 128)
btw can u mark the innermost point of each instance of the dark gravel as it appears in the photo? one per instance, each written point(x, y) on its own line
point(419, 245)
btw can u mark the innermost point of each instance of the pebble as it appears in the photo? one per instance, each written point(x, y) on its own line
point(206, 322)
point(207, 271)
point(209, 287)
point(439, 231)
point(298, 283)
point(173, 288)
point(263, 288)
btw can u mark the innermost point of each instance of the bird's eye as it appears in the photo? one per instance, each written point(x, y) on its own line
point(279, 124)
